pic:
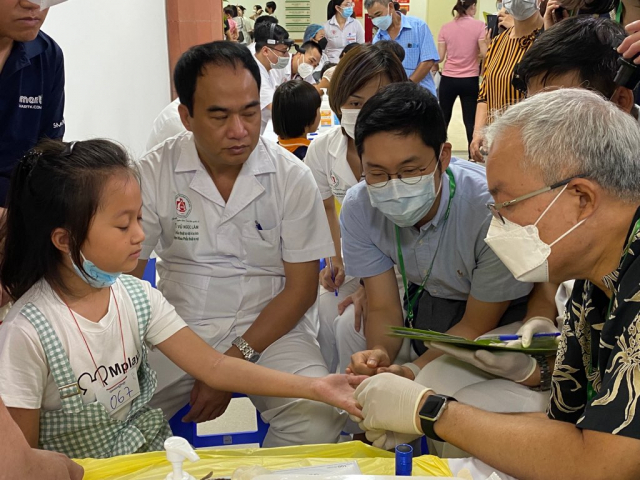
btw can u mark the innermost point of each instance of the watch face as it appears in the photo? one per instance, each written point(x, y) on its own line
point(432, 406)
point(254, 358)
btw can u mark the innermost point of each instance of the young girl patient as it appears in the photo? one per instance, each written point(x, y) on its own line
point(73, 348)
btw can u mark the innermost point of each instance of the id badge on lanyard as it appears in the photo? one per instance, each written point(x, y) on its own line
point(120, 394)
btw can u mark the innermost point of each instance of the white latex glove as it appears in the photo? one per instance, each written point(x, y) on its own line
point(390, 402)
point(389, 440)
point(511, 365)
point(532, 326)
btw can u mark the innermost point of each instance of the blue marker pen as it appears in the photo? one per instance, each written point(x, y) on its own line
point(508, 338)
point(259, 227)
point(333, 277)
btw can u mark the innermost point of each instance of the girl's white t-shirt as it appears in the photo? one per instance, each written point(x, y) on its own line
point(25, 379)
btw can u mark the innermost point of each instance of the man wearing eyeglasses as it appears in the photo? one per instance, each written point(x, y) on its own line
point(564, 173)
point(272, 53)
point(424, 212)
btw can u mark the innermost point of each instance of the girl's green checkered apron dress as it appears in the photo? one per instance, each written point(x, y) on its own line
point(80, 430)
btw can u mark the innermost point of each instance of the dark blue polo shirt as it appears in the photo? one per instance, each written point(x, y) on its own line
point(31, 101)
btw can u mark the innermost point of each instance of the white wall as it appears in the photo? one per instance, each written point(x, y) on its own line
point(117, 67)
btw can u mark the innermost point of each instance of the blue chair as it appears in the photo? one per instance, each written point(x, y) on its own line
point(150, 272)
point(189, 431)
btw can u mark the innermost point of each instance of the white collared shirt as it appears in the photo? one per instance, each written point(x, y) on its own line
point(166, 125)
point(327, 159)
point(267, 89)
point(338, 39)
point(211, 248)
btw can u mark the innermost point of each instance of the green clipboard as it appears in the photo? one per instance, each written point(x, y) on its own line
point(539, 346)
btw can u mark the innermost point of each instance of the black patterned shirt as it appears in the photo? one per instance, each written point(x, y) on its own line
point(596, 381)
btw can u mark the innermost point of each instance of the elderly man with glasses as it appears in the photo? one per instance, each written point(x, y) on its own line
point(564, 172)
point(425, 212)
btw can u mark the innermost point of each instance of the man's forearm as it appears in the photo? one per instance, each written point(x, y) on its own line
point(422, 71)
point(378, 323)
point(523, 446)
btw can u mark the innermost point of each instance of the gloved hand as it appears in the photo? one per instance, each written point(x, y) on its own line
point(389, 440)
point(511, 365)
point(390, 402)
point(532, 326)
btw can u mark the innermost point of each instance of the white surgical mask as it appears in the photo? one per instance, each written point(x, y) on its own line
point(521, 249)
point(304, 69)
point(403, 204)
point(348, 121)
point(521, 9)
point(281, 63)
point(44, 4)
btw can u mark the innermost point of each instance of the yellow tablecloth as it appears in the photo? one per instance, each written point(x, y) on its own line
point(223, 462)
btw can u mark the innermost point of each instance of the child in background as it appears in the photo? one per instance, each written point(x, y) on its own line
point(73, 348)
point(295, 113)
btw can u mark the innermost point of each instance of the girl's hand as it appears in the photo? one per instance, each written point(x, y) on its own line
point(339, 391)
point(550, 17)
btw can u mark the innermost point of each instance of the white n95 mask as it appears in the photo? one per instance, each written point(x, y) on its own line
point(403, 204)
point(304, 69)
point(521, 249)
point(44, 4)
point(348, 121)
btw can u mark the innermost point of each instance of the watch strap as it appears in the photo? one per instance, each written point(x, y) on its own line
point(247, 352)
point(545, 374)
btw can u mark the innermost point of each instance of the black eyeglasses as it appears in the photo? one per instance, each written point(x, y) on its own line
point(408, 175)
point(495, 207)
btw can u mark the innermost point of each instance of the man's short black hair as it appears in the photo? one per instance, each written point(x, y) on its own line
point(583, 45)
point(265, 19)
point(311, 45)
point(348, 48)
point(269, 31)
point(295, 107)
point(272, 6)
point(191, 65)
point(393, 46)
point(403, 109)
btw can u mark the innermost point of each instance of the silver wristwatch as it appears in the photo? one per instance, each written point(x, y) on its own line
point(247, 352)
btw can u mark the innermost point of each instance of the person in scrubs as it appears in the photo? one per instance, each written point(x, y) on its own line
point(238, 226)
point(342, 29)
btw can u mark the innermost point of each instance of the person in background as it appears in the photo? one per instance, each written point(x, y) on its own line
point(296, 113)
point(566, 161)
point(315, 32)
point(329, 68)
point(463, 42)
point(31, 85)
point(230, 12)
point(245, 26)
point(412, 34)
point(271, 9)
point(342, 29)
point(303, 63)
point(257, 12)
point(272, 52)
point(249, 289)
point(505, 51)
point(20, 460)
point(335, 165)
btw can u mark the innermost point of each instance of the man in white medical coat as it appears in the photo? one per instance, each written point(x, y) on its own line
point(239, 227)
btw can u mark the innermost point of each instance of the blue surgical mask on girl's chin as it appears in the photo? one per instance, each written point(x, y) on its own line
point(346, 12)
point(404, 204)
point(383, 23)
point(95, 276)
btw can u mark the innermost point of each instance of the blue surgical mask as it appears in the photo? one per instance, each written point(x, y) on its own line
point(383, 23)
point(96, 277)
point(347, 12)
point(403, 204)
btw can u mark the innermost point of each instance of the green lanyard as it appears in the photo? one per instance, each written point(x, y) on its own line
point(619, 12)
point(591, 393)
point(411, 301)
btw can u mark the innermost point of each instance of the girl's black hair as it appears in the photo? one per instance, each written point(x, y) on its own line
point(55, 185)
point(295, 107)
